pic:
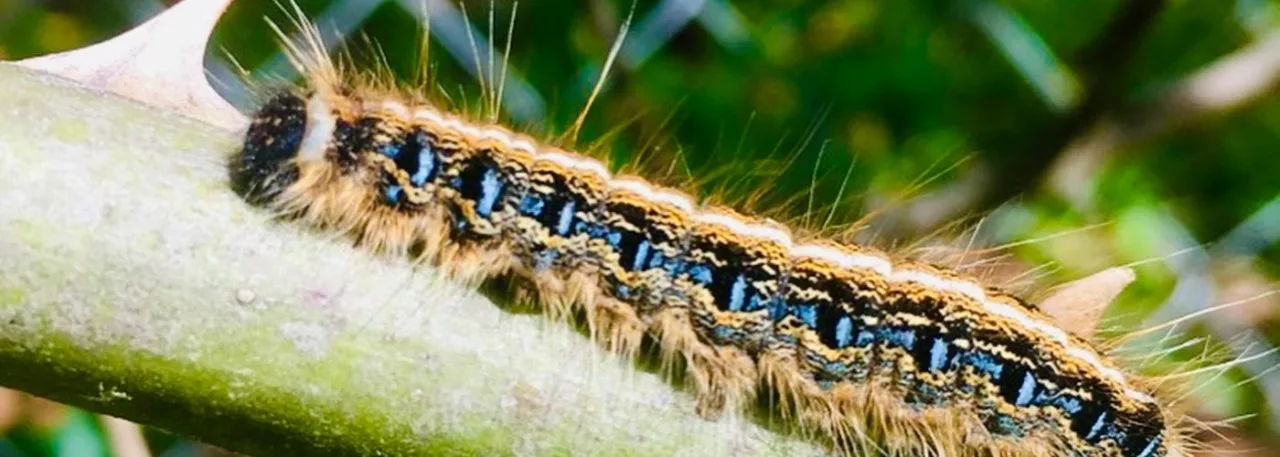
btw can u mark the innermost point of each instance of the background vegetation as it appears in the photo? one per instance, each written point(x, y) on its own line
point(1036, 118)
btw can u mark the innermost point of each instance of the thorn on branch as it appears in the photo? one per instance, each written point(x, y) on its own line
point(160, 62)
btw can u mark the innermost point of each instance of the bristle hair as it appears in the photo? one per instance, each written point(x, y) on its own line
point(873, 353)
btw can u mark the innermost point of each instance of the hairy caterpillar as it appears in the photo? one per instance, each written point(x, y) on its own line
point(866, 348)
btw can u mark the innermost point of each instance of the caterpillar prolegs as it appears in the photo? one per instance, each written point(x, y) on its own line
point(879, 354)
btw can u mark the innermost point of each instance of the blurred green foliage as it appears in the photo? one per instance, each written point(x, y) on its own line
point(747, 95)
point(77, 435)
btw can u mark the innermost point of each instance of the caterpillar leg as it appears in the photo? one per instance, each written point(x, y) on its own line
point(722, 377)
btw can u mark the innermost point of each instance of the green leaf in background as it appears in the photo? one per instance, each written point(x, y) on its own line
point(77, 435)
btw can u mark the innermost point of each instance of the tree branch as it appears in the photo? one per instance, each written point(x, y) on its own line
point(1099, 67)
point(1023, 166)
point(1230, 83)
point(134, 283)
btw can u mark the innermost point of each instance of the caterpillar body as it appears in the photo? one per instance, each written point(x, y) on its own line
point(880, 355)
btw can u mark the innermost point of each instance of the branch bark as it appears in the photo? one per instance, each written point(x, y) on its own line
point(134, 283)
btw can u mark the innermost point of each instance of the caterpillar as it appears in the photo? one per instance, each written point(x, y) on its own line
point(881, 355)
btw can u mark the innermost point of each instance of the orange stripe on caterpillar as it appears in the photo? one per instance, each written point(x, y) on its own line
point(916, 359)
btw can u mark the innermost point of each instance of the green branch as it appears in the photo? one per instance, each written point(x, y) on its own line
point(134, 283)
